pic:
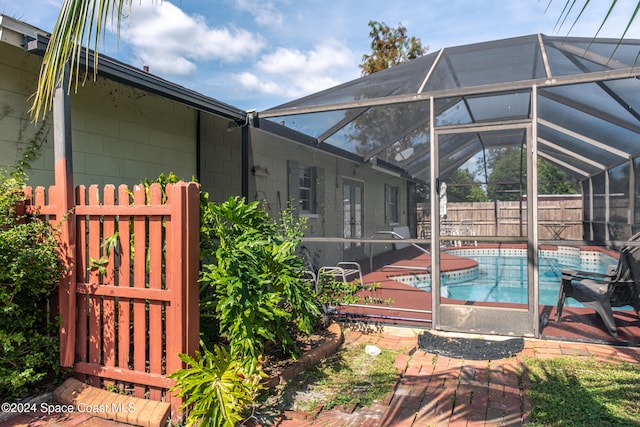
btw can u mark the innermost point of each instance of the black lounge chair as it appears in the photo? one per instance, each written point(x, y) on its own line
point(619, 287)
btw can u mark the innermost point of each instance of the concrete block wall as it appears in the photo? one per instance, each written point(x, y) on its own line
point(120, 135)
point(18, 78)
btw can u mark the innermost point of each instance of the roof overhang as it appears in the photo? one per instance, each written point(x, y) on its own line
point(34, 40)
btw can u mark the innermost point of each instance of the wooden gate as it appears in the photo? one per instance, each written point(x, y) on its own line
point(130, 304)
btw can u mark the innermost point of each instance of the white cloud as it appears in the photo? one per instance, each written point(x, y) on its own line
point(172, 42)
point(252, 82)
point(265, 13)
point(293, 73)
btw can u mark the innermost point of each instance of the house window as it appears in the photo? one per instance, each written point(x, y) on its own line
point(391, 204)
point(306, 190)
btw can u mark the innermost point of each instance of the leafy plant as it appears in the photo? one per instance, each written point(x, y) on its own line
point(30, 269)
point(109, 245)
point(218, 389)
point(251, 293)
point(337, 292)
point(253, 286)
point(163, 180)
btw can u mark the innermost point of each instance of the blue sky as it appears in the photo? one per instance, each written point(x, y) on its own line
point(260, 53)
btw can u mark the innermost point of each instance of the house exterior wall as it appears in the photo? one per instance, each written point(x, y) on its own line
point(221, 158)
point(269, 160)
point(120, 134)
point(18, 75)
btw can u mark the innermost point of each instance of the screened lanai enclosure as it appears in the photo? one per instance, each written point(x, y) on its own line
point(465, 181)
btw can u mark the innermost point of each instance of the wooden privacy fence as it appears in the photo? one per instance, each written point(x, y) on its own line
point(556, 214)
point(133, 297)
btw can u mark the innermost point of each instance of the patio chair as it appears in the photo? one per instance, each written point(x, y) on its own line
point(619, 287)
point(308, 274)
point(346, 269)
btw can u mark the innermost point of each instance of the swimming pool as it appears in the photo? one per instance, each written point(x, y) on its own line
point(502, 276)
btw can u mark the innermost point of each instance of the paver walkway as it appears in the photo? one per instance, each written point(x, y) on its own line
point(486, 393)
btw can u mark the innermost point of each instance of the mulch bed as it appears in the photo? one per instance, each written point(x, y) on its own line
point(470, 348)
point(279, 365)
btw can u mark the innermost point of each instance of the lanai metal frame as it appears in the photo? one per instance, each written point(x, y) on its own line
point(575, 101)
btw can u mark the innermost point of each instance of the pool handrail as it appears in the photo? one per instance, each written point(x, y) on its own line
point(396, 235)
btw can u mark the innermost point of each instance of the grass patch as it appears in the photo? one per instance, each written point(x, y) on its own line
point(348, 377)
point(574, 392)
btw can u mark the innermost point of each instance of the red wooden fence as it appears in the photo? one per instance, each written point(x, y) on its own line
point(134, 285)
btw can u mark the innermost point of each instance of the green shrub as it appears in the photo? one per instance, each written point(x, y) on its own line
point(253, 285)
point(218, 389)
point(251, 293)
point(30, 269)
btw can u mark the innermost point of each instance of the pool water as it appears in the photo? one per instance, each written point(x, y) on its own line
point(504, 279)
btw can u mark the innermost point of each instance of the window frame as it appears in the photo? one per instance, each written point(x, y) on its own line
point(310, 173)
point(392, 204)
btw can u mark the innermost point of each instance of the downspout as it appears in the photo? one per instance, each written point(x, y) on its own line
point(198, 145)
point(244, 168)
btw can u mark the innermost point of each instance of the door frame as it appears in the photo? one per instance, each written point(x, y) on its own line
point(483, 319)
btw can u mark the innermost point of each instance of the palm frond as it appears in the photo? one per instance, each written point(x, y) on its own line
point(632, 19)
point(568, 7)
point(584, 7)
point(80, 22)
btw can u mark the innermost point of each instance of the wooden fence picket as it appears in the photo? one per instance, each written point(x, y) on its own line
point(109, 302)
point(81, 276)
point(95, 307)
point(124, 280)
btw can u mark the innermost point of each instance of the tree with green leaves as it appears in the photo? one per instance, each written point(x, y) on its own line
point(389, 47)
point(462, 187)
point(508, 177)
point(553, 180)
